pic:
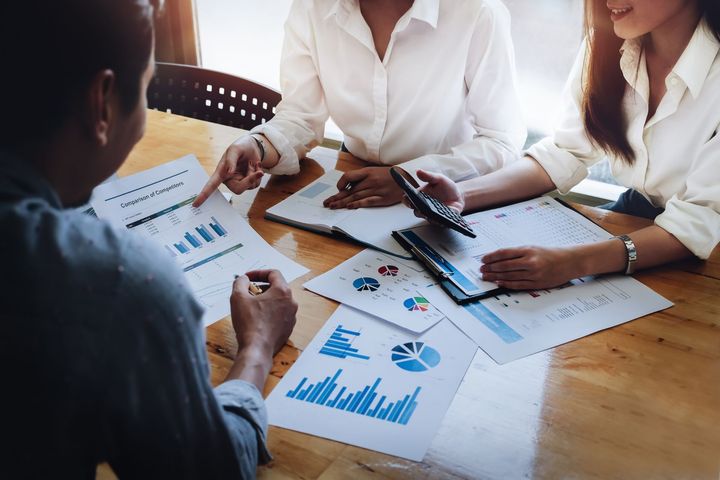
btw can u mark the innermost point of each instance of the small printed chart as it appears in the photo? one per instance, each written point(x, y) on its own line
point(383, 286)
point(355, 394)
point(388, 271)
point(339, 344)
point(415, 357)
point(417, 304)
point(366, 284)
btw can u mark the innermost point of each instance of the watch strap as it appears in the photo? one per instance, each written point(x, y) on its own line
point(631, 252)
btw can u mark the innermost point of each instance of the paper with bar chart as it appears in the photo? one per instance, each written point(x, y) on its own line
point(381, 285)
point(211, 243)
point(369, 383)
point(514, 325)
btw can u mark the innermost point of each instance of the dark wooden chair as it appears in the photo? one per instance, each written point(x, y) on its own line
point(211, 96)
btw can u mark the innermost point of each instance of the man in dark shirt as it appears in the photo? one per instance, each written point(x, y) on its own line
point(102, 352)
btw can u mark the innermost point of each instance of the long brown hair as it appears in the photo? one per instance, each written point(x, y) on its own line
point(603, 82)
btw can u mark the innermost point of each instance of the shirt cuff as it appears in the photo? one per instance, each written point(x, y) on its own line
point(563, 168)
point(289, 162)
point(695, 226)
point(244, 400)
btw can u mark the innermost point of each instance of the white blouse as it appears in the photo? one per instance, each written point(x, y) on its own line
point(443, 97)
point(677, 151)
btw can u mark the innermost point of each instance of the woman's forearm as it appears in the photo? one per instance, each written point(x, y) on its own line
point(654, 247)
point(517, 181)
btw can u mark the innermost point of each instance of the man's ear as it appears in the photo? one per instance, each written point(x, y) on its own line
point(100, 106)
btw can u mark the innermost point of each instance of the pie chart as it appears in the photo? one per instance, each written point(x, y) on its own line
point(388, 271)
point(366, 284)
point(415, 357)
point(416, 304)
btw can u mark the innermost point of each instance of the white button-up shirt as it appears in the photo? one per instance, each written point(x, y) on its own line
point(677, 151)
point(443, 97)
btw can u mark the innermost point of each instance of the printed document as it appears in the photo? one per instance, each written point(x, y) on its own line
point(211, 243)
point(381, 285)
point(368, 383)
point(516, 324)
point(542, 222)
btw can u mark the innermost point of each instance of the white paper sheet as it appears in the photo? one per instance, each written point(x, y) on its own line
point(542, 222)
point(211, 243)
point(408, 383)
point(383, 286)
point(514, 325)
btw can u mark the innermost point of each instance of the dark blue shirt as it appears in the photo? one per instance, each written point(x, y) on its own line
point(102, 353)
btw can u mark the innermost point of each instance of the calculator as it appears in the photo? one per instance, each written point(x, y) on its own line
point(431, 207)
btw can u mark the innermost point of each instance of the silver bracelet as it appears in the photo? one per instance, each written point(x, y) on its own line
point(631, 253)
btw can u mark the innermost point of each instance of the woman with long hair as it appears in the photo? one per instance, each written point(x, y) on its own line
point(645, 92)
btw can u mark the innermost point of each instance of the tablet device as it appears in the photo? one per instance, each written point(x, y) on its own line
point(432, 208)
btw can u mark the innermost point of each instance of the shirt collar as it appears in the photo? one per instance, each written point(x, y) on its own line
point(693, 65)
point(699, 55)
point(427, 11)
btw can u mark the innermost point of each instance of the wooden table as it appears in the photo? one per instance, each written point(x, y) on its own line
point(641, 400)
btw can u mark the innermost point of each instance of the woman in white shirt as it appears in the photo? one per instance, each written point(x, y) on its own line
point(652, 105)
point(426, 83)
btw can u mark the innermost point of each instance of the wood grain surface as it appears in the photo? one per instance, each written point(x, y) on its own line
point(641, 400)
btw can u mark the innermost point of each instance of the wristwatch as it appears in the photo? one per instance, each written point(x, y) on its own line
point(631, 253)
point(261, 146)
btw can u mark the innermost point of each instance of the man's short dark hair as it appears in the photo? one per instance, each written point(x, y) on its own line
point(53, 48)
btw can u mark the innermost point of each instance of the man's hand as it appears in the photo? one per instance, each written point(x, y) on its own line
point(530, 268)
point(262, 324)
point(368, 187)
point(239, 169)
point(440, 187)
point(263, 321)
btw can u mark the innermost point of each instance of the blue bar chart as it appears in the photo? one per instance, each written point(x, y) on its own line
point(217, 227)
point(339, 345)
point(201, 234)
point(366, 401)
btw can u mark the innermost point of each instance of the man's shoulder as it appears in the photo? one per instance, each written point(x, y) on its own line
point(85, 256)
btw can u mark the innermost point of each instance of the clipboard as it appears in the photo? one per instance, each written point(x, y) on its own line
point(440, 268)
point(453, 281)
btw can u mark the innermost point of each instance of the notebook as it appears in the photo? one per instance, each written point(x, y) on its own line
point(370, 227)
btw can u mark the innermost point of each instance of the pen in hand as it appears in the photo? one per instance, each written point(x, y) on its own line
point(256, 288)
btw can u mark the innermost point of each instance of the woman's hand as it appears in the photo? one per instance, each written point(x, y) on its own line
point(239, 169)
point(530, 268)
point(440, 187)
point(368, 187)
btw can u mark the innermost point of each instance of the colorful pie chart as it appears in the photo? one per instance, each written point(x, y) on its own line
point(416, 304)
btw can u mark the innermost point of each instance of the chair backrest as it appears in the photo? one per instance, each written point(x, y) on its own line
point(211, 96)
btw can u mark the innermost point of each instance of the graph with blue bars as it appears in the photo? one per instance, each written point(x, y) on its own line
point(366, 401)
point(339, 345)
point(202, 233)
